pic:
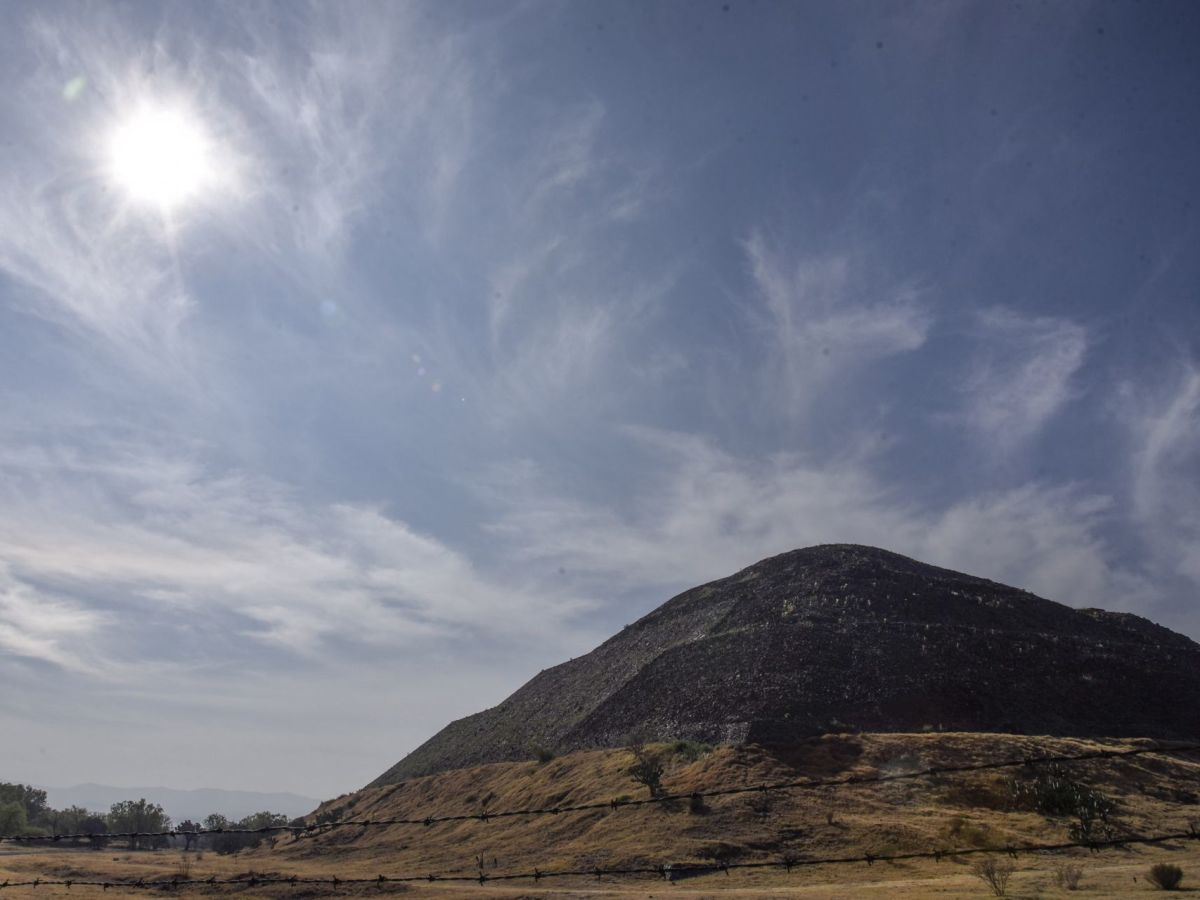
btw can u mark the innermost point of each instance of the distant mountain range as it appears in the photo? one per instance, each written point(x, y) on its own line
point(842, 637)
point(181, 805)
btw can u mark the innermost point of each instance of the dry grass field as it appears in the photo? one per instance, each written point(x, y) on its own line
point(1151, 793)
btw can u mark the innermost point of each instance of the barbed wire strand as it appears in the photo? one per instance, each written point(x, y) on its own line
point(621, 803)
point(666, 871)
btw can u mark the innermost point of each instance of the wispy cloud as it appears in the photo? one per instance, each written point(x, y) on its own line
point(821, 320)
point(565, 309)
point(1165, 433)
point(1023, 376)
point(170, 546)
point(376, 103)
point(712, 513)
point(543, 264)
point(35, 626)
point(569, 158)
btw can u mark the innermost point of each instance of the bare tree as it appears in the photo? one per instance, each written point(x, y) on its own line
point(994, 873)
point(647, 768)
point(1067, 876)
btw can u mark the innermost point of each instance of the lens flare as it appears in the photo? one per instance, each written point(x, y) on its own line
point(161, 157)
point(74, 88)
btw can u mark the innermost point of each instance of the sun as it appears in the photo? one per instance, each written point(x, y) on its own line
point(161, 156)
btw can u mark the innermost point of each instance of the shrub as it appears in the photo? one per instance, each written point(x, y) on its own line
point(543, 754)
point(691, 750)
point(332, 814)
point(994, 873)
point(1052, 792)
point(1165, 876)
point(721, 851)
point(696, 805)
point(1067, 875)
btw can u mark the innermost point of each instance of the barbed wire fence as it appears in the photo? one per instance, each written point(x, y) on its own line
point(665, 871)
point(669, 872)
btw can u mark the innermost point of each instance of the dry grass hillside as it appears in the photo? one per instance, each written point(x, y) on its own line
point(1149, 793)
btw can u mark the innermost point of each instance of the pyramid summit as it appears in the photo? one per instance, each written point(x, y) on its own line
point(842, 635)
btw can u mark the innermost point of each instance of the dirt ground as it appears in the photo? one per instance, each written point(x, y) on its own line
point(1110, 874)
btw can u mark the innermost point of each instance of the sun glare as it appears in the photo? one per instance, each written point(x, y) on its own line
point(161, 157)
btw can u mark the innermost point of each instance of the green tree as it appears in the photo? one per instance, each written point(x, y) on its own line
point(222, 843)
point(13, 820)
point(232, 843)
point(31, 798)
point(264, 819)
point(67, 821)
point(95, 827)
point(139, 815)
point(189, 840)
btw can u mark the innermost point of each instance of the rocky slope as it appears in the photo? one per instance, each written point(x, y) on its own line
point(841, 635)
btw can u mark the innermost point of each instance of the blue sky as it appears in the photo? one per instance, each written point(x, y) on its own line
point(484, 328)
